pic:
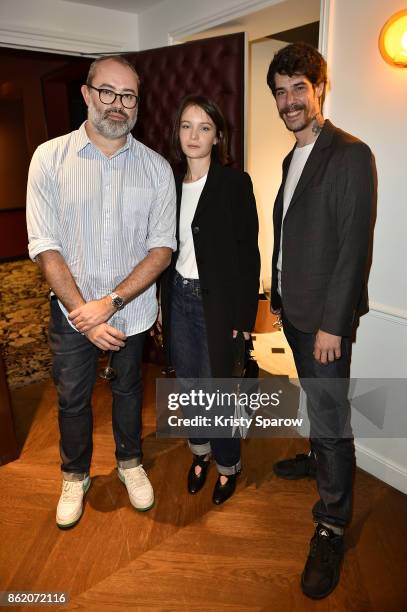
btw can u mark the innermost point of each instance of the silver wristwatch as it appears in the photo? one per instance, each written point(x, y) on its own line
point(117, 301)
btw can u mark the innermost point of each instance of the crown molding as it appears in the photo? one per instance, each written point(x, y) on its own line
point(239, 10)
point(13, 35)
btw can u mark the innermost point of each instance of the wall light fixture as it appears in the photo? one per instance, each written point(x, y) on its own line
point(393, 40)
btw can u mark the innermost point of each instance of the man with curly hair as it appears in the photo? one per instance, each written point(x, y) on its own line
point(322, 227)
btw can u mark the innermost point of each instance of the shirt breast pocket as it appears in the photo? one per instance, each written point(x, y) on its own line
point(136, 207)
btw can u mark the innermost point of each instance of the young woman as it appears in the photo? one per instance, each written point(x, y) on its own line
point(210, 291)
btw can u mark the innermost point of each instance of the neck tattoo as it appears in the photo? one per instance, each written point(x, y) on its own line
point(317, 126)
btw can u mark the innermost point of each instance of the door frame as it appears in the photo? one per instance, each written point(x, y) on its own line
point(326, 16)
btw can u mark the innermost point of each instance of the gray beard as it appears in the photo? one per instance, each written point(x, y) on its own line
point(109, 128)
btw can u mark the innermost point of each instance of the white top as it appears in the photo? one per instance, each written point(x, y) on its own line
point(186, 262)
point(297, 164)
point(102, 214)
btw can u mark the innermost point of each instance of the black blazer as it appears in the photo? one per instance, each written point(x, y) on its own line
point(225, 230)
point(326, 237)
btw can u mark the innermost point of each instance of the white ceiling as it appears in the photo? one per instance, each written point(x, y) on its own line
point(128, 6)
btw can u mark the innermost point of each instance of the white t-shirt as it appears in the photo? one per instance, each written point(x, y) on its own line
point(186, 262)
point(297, 164)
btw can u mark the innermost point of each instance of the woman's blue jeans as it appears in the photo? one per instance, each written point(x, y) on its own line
point(190, 357)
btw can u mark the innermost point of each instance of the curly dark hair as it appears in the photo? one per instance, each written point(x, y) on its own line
point(220, 150)
point(298, 58)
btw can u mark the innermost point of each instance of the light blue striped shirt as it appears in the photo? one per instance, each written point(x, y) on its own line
point(102, 214)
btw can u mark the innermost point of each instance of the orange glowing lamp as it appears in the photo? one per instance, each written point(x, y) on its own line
point(393, 40)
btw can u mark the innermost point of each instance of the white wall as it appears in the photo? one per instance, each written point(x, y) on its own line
point(268, 144)
point(369, 99)
point(66, 27)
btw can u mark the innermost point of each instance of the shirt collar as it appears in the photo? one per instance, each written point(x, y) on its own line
point(83, 140)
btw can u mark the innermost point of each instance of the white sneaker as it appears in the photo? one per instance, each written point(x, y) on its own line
point(70, 505)
point(138, 486)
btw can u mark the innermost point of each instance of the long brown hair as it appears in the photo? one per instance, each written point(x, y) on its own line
point(220, 150)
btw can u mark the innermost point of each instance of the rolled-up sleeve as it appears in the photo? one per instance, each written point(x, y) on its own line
point(161, 223)
point(42, 221)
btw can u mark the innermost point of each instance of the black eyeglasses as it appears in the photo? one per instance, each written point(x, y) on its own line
point(107, 96)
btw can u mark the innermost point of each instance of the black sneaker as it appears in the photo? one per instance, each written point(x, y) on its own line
point(323, 566)
point(302, 466)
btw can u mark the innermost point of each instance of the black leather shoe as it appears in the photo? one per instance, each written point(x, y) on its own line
point(323, 566)
point(196, 482)
point(301, 466)
point(222, 492)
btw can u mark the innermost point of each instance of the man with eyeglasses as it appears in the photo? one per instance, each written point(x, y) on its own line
point(101, 226)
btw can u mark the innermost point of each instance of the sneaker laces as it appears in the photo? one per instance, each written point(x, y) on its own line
point(321, 545)
point(136, 476)
point(71, 490)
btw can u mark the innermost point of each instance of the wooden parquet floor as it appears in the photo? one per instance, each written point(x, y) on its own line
point(185, 554)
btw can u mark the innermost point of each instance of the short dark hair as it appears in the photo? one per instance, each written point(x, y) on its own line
point(298, 58)
point(120, 59)
point(220, 150)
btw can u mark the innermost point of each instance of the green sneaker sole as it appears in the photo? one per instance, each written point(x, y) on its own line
point(137, 509)
point(143, 509)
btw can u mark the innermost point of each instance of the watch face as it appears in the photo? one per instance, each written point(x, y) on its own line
point(118, 302)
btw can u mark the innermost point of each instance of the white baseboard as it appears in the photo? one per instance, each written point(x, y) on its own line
point(386, 470)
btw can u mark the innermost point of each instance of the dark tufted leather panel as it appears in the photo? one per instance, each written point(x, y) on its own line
point(212, 67)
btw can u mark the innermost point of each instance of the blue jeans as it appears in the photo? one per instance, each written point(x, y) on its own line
point(75, 361)
point(190, 357)
point(329, 415)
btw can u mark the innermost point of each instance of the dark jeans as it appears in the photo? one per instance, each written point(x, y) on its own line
point(190, 357)
point(74, 370)
point(329, 414)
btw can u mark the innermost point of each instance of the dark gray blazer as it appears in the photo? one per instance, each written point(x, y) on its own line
point(327, 235)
